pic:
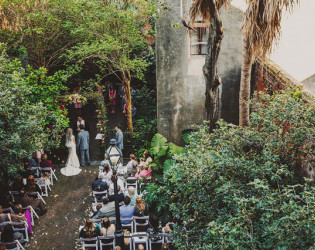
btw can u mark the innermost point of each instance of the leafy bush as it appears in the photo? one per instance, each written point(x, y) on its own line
point(236, 188)
point(25, 115)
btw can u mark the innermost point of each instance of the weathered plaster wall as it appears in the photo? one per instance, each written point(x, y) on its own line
point(180, 82)
point(309, 84)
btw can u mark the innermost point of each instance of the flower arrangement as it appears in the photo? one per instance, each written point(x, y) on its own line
point(76, 98)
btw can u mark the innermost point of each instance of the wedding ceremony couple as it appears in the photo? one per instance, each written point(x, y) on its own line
point(82, 144)
point(72, 166)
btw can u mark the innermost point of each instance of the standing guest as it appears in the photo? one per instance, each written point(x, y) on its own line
point(133, 94)
point(89, 230)
point(119, 140)
point(108, 229)
point(126, 211)
point(112, 98)
point(123, 102)
point(45, 163)
point(83, 144)
point(133, 112)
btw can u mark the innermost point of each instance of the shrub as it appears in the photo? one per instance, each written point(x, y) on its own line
point(236, 188)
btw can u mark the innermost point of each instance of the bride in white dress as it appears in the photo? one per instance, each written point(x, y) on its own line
point(72, 164)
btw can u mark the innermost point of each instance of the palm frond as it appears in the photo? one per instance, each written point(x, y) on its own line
point(262, 24)
point(204, 8)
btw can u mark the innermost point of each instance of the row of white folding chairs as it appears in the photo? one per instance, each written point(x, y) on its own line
point(134, 239)
point(18, 227)
point(16, 242)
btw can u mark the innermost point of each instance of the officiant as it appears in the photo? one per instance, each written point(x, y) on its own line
point(79, 122)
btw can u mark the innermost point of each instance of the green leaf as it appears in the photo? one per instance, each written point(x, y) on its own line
point(158, 145)
point(174, 149)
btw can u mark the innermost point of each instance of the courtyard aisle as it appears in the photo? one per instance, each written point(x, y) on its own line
point(67, 205)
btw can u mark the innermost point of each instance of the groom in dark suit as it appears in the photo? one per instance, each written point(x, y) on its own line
point(83, 142)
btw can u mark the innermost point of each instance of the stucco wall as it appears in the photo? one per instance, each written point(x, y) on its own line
point(180, 83)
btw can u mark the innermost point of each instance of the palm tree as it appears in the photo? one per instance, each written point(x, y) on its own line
point(209, 11)
point(262, 28)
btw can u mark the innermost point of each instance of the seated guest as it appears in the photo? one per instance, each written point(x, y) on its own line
point(7, 237)
point(17, 184)
point(141, 163)
point(18, 216)
point(33, 161)
point(106, 175)
point(31, 185)
point(27, 168)
point(24, 200)
point(98, 207)
point(147, 157)
point(133, 196)
point(133, 163)
point(146, 172)
point(99, 186)
point(3, 218)
point(108, 229)
point(140, 209)
point(126, 211)
point(108, 210)
point(45, 163)
point(105, 160)
point(121, 195)
point(89, 230)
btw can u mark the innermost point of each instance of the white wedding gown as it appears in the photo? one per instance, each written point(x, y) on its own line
point(72, 164)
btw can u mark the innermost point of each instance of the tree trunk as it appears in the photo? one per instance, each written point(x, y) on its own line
point(245, 84)
point(210, 68)
point(127, 80)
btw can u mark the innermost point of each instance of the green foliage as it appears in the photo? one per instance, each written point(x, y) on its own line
point(163, 152)
point(25, 114)
point(235, 188)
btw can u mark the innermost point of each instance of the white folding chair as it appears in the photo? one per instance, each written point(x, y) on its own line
point(86, 242)
point(137, 223)
point(153, 239)
point(52, 174)
point(21, 227)
point(8, 210)
point(30, 208)
point(103, 193)
point(145, 181)
point(132, 182)
point(36, 194)
point(127, 225)
point(140, 238)
point(13, 193)
point(102, 241)
point(16, 243)
point(42, 183)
